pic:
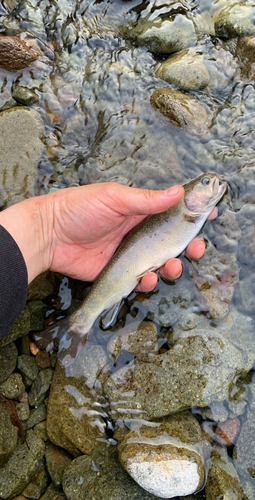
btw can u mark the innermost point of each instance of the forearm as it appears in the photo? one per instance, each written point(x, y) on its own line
point(30, 225)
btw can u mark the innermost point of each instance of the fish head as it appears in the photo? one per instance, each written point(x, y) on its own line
point(203, 193)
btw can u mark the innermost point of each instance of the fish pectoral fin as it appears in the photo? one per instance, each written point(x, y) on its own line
point(151, 269)
point(110, 315)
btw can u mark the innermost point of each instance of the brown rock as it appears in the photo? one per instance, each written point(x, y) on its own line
point(43, 359)
point(227, 432)
point(15, 53)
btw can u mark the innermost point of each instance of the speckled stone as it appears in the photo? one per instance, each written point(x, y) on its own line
point(23, 411)
point(21, 466)
point(138, 339)
point(166, 458)
point(23, 95)
point(222, 479)
point(53, 493)
point(36, 416)
point(13, 387)
point(40, 387)
point(8, 360)
point(40, 430)
point(8, 435)
point(57, 460)
point(27, 366)
point(38, 484)
point(15, 53)
point(182, 110)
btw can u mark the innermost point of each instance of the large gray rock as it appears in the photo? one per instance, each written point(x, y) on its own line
point(167, 36)
point(196, 371)
point(167, 458)
point(185, 70)
point(182, 110)
point(21, 466)
point(21, 133)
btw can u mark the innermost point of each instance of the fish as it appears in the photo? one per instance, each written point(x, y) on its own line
point(147, 247)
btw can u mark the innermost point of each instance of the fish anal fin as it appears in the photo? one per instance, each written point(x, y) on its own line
point(110, 315)
point(191, 218)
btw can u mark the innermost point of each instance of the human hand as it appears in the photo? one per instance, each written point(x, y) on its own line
point(75, 231)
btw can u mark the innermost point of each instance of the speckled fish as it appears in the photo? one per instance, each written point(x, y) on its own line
point(147, 247)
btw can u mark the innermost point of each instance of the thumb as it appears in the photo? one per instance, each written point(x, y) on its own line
point(135, 201)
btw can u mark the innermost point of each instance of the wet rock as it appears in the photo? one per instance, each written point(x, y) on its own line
point(21, 466)
point(196, 371)
point(27, 366)
point(101, 475)
point(43, 359)
point(53, 493)
point(37, 311)
point(215, 276)
point(245, 52)
point(20, 328)
point(245, 294)
point(216, 411)
point(40, 387)
point(167, 36)
point(23, 411)
point(36, 416)
point(15, 53)
point(165, 459)
point(57, 461)
point(137, 339)
point(185, 70)
point(42, 286)
point(222, 479)
point(38, 484)
point(8, 435)
point(40, 430)
point(13, 386)
point(235, 20)
point(74, 420)
point(182, 110)
point(23, 95)
point(244, 451)
point(227, 432)
point(21, 131)
point(225, 232)
point(8, 360)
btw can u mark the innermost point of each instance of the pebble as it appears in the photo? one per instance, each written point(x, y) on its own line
point(8, 435)
point(27, 366)
point(226, 432)
point(38, 484)
point(235, 21)
point(23, 95)
point(15, 53)
point(57, 460)
point(23, 411)
point(36, 416)
point(185, 70)
point(40, 387)
point(43, 360)
point(13, 387)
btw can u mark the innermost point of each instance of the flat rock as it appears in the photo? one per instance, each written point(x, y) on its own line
point(21, 466)
point(196, 371)
point(15, 53)
point(182, 110)
point(167, 36)
point(185, 70)
point(8, 360)
point(21, 133)
point(165, 459)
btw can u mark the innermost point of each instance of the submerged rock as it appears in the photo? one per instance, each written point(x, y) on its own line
point(137, 339)
point(38, 484)
point(57, 461)
point(185, 70)
point(167, 36)
point(245, 52)
point(165, 457)
point(8, 360)
point(20, 328)
point(8, 435)
point(182, 110)
point(15, 53)
point(196, 371)
point(235, 20)
point(13, 386)
point(222, 480)
point(23, 95)
point(21, 466)
point(21, 131)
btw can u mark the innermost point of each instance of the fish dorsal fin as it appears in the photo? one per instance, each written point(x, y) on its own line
point(191, 218)
point(110, 315)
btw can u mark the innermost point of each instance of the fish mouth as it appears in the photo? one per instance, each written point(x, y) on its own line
point(219, 187)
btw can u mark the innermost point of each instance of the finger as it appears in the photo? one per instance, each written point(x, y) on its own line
point(213, 214)
point(172, 270)
point(196, 249)
point(135, 201)
point(147, 283)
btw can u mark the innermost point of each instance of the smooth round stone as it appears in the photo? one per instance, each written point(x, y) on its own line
point(23, 95)
point(21, 133)
point(15, 54)
point(185, 70)
point(13, 387)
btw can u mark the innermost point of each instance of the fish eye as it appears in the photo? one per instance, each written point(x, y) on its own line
point(205, 181)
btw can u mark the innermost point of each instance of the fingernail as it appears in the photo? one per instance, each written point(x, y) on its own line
point(173, 191)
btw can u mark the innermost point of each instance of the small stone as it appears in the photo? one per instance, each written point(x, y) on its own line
point(57, 461)
point(33, 348)
point(185, 70)
point(13, 387)
point(37, 485)
point(24, 345)
point(15, 53)
point(182, 110)
point(21, 466)
point(226, 432)
point(222, 480)
point(23, 398)
point(40, 387)
point(27, 366)
point(23, 411)
point(40, 430)
point(36, 416)
point(8, 435)
point(23, 95)
point(43, 359)
point(8, 360)
point(165, 459)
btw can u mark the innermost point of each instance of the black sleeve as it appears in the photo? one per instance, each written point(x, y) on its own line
point(13, 281)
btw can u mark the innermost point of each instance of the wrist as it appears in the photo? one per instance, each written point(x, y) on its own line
point(30, 223)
